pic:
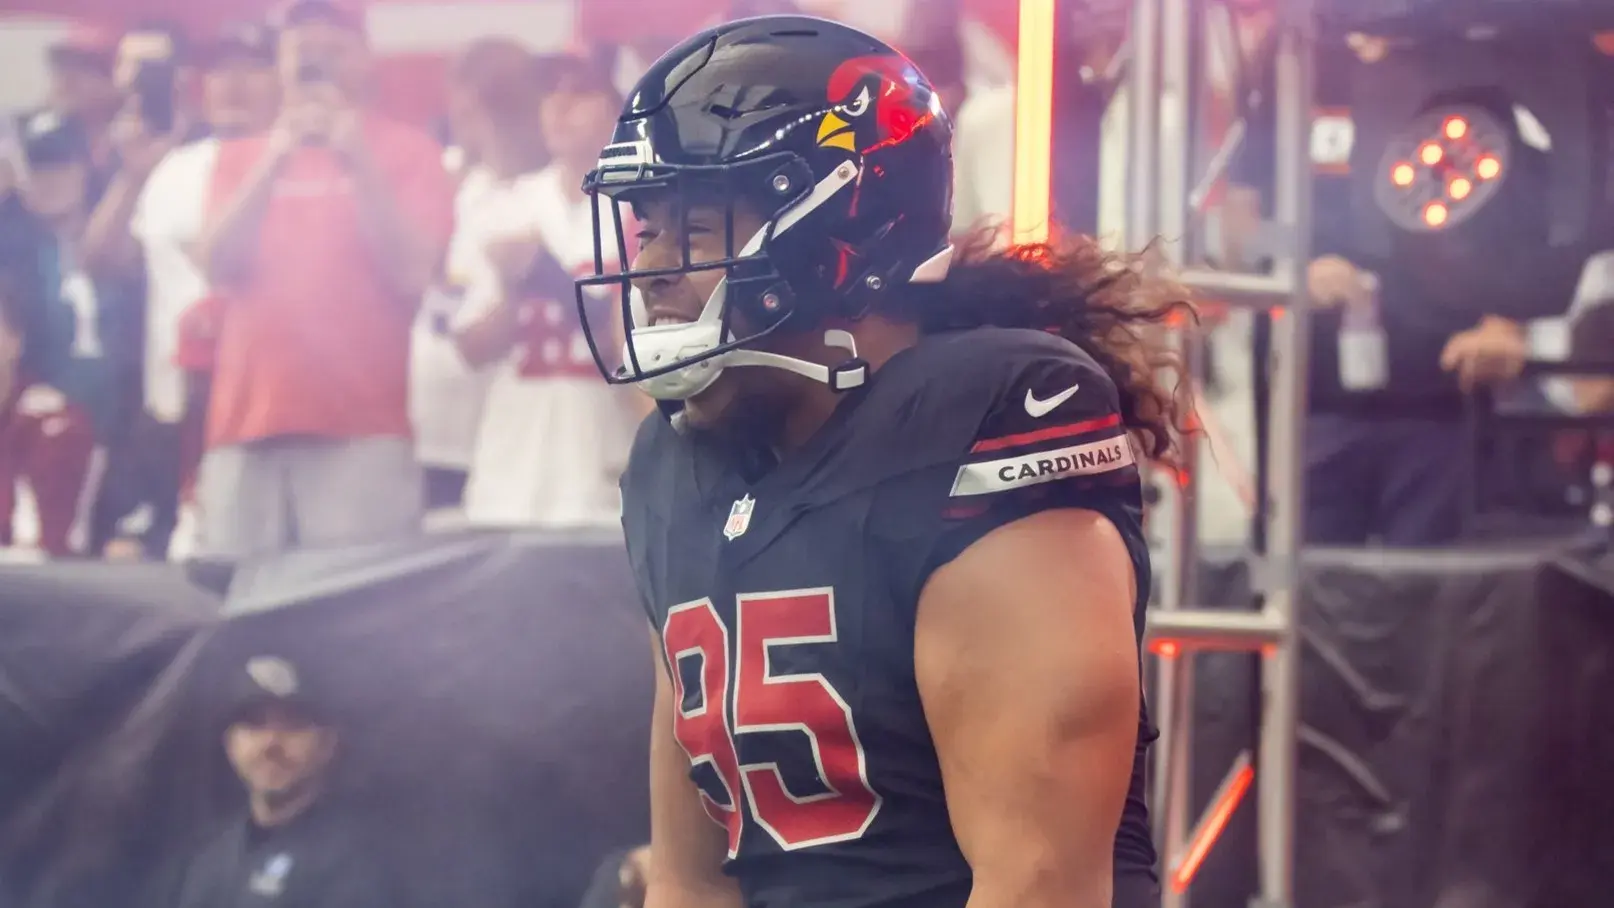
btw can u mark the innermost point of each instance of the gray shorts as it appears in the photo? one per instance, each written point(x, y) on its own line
point(268, 496)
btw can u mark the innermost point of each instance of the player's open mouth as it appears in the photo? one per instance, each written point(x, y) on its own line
point(663, 317)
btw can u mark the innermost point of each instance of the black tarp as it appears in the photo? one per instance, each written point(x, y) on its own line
point(1456, 739)
point(1458, 724)
point(79, 647)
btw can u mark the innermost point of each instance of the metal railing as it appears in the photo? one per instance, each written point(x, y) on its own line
point(1167, 38)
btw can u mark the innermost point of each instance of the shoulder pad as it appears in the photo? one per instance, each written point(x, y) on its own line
point(1027, 408)
point(967, 375)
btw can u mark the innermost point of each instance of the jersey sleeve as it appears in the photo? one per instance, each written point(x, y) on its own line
point(1052, 438)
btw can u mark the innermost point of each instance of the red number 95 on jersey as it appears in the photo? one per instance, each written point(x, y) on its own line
point(709, 689)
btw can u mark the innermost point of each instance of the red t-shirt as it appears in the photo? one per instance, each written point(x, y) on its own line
point(46, 444)
point(314, 341)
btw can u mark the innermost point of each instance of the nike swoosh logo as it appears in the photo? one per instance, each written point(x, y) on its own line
point(1040, 408)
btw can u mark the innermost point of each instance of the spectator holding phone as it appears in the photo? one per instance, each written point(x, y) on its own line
point(148, 226)
point(322, 237)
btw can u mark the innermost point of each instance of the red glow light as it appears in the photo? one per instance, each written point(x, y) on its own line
point(1455, 128)
point(1459, 188)
point(1431, 153)
point(1435, 214)
point(1488, 168)
point(1402, 175)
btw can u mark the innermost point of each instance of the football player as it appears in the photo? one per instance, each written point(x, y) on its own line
point(887, 526)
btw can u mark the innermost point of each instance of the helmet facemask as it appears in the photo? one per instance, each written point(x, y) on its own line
point(677, 361)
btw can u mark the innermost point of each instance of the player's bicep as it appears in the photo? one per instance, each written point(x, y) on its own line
point(1027, 665)
point(687, 849)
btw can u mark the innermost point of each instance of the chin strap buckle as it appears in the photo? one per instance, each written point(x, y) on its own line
point(854, 373)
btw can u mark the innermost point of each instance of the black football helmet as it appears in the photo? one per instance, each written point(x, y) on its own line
point(833, 136)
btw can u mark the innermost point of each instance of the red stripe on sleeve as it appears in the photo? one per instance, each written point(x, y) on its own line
point(1049, 434)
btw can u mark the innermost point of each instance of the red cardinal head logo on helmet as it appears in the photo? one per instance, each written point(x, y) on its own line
point(875, 105)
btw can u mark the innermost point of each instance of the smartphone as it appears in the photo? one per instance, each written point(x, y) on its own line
point(313, 72)
point(153, 90)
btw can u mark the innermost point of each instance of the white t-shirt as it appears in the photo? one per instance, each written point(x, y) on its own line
point(551, 448)
point(983, 159)
point(445, 393)
point(168, 221)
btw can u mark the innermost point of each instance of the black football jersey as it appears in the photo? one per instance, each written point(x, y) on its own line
point(785, 597)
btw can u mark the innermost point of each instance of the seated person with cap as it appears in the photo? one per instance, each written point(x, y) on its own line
point(296, 847)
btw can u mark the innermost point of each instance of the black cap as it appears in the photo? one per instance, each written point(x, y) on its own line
point(269, 680)
point(52, 140)
point(332, 12)
point(247, 42)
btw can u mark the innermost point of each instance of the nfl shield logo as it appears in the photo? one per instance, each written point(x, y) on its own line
point(739, 518)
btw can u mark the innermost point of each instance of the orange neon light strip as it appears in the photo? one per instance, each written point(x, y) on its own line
point(1216, 820)
point(1033, 123)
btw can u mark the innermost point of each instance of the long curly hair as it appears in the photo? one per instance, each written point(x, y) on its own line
point(1107, 303)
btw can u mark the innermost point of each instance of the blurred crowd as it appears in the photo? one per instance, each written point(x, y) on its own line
point(226, 330)
point(241, 310)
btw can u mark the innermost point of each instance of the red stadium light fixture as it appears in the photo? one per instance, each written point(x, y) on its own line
point(1521, 117)
point(1441, 170)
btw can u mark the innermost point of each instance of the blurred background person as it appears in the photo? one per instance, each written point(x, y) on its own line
point(83, 333)
point(83, 91)
point(293, 842)
point(46, 446)
point(1591, 336)
point(553, 437)
point(983, 119)
point(148, 226)
point(494, 90)
point(1390, 359)
point(322, 239)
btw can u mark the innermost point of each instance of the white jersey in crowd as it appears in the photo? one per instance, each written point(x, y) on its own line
point(167, 222)
point(554, 436)
point(445, 394)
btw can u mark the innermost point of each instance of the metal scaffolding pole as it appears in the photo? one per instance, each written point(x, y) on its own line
point(1161, 99)
point(1174, 676)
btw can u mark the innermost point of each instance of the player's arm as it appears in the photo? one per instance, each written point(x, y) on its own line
point(1028, 669)
point(687, 849)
